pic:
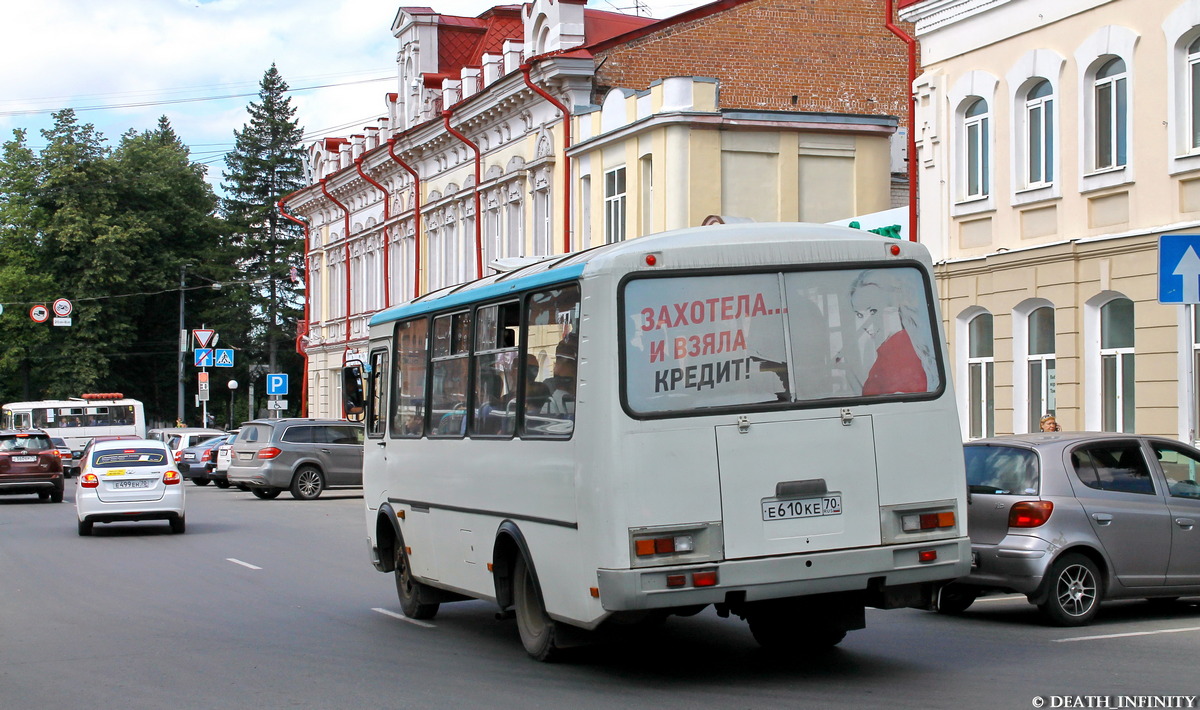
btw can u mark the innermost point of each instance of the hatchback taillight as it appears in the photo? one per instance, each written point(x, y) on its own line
point(268, 452)
point(1029, 513)
point(89, 480)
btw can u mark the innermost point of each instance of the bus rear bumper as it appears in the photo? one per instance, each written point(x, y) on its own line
point(759, 579)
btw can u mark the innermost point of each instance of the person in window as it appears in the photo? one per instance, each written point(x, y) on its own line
point(536, 393)
point(562, 383)
point(887, 311)
point(1048, 423)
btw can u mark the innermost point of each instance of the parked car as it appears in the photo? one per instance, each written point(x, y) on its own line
point(220, 472)
point(129, 480)
point(179, 438)
point(30, 464)
point(199, 461)
point(69, 462)
point(1074, 519)
point(305, 456)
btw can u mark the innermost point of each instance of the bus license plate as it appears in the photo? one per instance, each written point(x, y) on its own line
point(132, 484)
point(802, 507)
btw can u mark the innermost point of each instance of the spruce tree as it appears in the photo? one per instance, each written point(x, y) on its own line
point(265, 165)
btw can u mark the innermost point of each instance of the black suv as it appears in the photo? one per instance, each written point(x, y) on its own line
point(29, 463)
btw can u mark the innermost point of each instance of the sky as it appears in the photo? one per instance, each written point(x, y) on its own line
point(121, 64)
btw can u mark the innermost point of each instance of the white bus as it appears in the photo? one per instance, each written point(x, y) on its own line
point(78, 420)
point(756, 417)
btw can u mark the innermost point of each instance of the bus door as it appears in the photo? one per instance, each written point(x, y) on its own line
point(798, 486)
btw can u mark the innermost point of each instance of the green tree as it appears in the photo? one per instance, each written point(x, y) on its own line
point(265, 165)
point(109, 230)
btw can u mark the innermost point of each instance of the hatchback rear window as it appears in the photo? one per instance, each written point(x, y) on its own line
point(1002, 470)
point(25, 442)
point(128, 458)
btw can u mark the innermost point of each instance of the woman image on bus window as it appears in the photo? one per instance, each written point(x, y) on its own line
point(562, 383)
point(887, 309)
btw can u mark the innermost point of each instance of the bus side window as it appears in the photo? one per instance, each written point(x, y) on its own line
point(552, 321)
point(496, 354)
point(411, 348)
point(451, 350)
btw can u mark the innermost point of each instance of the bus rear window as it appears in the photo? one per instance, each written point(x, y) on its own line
point(719, 341)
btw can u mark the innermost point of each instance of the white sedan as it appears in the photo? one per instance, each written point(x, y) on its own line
point(128, 480)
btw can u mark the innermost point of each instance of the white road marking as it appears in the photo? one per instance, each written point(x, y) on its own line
point(244, 564)
point(402, 617)
point(1126, 635)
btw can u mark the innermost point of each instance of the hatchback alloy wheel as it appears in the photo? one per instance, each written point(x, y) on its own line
point(1074, 595)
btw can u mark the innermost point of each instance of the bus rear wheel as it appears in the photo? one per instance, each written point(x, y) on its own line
point(538, 630)
point(409, 589)
point(787, 628)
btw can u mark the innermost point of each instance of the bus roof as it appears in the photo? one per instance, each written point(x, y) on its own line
point(78, 403)
point(757, 244)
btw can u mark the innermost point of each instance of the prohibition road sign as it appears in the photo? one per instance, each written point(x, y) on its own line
point(62, 308)
point(39, 314)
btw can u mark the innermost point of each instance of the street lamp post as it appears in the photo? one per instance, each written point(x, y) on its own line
point(182, 344)
point(233, 385)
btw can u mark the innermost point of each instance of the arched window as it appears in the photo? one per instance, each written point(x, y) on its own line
point(1116, 365)
point(1040, 364)
point(980, 377)
point(1111, 111)
point(1039, 134)
point(1193, 84)
point(975, 137)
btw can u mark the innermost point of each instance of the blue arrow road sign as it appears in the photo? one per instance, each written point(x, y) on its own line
point(223, 357)
point(277, 384)
point(1179, 268)
point(203, 357)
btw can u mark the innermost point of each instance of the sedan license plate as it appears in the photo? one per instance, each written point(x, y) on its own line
point(773, 509)
point(24, 459)
point(144, 483)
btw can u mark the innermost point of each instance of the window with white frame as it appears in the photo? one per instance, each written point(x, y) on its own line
point(542, 228)
point(1116, 365)
point(1193, 89)
point(315, 277)
point(584, 231)
point(614, 206)
point(1111, 115)
point(436, 257)
point(1040, 366)
point(976, 153)
point(1195, 373)
point(1039, 134)
point(493, 244)
point(981, 366)
point(647, 193)
point(516, 225)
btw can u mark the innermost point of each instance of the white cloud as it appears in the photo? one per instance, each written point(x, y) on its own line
point(65, 53)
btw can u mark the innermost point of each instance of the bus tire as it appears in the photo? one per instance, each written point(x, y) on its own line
point(787, 629)
point(537, 629)
point(266, 493)
point(308, 483)
point(408, 590)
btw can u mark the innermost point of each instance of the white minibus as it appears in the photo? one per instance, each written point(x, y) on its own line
point(755, 417)
point(79, 420)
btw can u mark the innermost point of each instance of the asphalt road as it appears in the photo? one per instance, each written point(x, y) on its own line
point(274, 604)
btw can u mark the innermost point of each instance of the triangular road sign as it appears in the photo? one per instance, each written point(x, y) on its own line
point(203, 336)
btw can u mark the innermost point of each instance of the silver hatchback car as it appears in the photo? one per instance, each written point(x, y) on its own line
point(305, 456)
point(1072, 519)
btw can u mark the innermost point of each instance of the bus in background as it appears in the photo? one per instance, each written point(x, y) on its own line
point(755, 417)
point(78, 420)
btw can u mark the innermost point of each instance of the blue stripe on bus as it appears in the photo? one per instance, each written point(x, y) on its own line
point(483, 293)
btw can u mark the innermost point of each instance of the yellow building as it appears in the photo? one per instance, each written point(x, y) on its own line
point(1056, 143)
